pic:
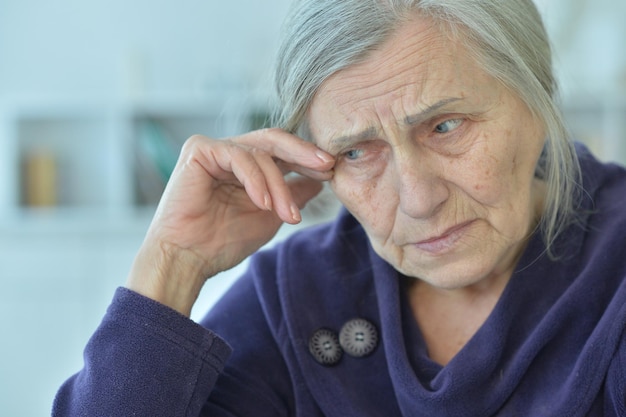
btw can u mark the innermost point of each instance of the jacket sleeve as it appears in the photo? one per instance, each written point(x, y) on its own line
point(256, 380)
point(145, 360)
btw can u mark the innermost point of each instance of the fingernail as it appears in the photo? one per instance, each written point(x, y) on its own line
point(324, 156)
point(295, 213)
point(267, 200)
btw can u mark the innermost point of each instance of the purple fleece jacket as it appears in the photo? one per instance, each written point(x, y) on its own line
point(554, 345)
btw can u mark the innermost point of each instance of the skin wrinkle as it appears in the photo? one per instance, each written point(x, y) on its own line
point(367, 78)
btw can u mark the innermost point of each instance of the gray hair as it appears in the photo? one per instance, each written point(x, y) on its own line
point(505, 37)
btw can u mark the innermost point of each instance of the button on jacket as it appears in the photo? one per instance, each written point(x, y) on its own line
point(554, 345)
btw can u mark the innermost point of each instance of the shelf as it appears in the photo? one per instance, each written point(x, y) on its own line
point(108, 161)
point(73, 155)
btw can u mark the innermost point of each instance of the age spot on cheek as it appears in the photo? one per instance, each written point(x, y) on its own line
point(514, 164)
point(352, 196)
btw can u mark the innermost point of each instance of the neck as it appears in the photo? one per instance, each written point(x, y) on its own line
point(448, 319)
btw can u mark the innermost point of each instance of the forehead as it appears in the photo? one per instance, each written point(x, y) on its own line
point(417, 67)
point(411, 49)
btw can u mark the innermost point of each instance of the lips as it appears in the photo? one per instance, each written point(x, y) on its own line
point(444, 242)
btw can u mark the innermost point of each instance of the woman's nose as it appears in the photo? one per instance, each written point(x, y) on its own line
point(421, 189)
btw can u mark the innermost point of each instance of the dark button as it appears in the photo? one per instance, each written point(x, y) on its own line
point(358, 338)
point(324, 346)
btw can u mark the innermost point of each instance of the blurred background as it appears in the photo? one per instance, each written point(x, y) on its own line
point(96, 98)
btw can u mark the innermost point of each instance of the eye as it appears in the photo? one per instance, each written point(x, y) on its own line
point(353, 154)
point(448, 125)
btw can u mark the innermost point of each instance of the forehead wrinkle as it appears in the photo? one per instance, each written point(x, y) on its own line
point(386, 64)
point(350, 92)
point(335, 144)
point(371, 132)
point(428, 112)
point(385, 73)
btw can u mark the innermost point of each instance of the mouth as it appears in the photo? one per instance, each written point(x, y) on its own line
point(438, 245)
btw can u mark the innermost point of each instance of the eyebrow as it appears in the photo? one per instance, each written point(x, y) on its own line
point(342, 141)
point(429, 111)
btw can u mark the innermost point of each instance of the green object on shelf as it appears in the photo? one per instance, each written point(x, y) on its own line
point(159, 147)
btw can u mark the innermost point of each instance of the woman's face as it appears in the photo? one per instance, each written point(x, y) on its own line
point(435, 158)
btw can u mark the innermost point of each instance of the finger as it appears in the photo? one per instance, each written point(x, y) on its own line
point(253, 169)
point(263, 182)
point(246, 168)
point(317, 175)
point(289, 148)
point(261, 177)
point(266, 186)
point(282, 200)
point(226, 162)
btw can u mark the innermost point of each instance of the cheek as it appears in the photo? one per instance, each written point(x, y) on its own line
point(352, 194)
point(369, 201)
point(503, 187)
point(359, 185)
point(500, 173)
point(489, 182)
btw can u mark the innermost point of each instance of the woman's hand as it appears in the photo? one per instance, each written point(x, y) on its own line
point(224, 200)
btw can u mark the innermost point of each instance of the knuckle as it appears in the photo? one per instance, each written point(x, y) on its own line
point(193, 142)
point(196, 144)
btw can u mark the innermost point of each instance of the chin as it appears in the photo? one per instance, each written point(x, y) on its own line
point(452, 276)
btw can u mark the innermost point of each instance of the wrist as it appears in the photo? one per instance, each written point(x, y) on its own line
point(167, 274)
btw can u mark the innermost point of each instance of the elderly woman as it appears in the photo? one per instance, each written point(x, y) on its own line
point(473, 272)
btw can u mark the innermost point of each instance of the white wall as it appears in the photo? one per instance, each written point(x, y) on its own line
point(589, 37)
point(115, 47)
point(100, 47)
